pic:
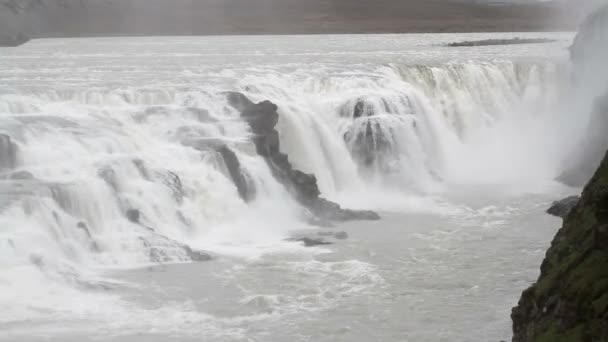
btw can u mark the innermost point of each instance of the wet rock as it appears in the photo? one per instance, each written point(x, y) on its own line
point(362, 109)
point(83, 226)
point(569, 301)
point(563, 207)
point(331, 211)
point(133, 215)
point(239, 101)
point(109, 176)
point(8, 153)
point(13, 40)
point(94, 247)
point(173, 182)
point(37, 260)
point(369, 141)
point(196, 256)
point(370, 134)
point(161, 249)
point(245, 189)
point(267, 144)
point(341, 235)
point(312, 242)
point(262, 118)
point(512, 41)
point(201, 115)
point(141, 167)
point(21, 175)
point(158, 255)
point(182, 218)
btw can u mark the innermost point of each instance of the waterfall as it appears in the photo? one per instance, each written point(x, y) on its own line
point(127, 175)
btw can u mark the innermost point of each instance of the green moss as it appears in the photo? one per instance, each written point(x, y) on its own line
point(569, 302)
point(600, 306)
point(555, 335)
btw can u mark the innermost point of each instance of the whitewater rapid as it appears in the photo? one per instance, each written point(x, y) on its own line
point(106, 130)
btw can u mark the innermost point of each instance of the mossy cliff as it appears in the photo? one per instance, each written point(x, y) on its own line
point(569, 302)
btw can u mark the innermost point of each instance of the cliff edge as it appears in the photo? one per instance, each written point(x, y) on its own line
point(569, 302)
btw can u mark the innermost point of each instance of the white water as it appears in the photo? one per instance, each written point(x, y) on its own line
point(449, 126)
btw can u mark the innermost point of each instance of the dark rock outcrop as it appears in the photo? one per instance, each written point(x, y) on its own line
point(245, 189)
point(569, 302)
point(512, 41)
point(312, 242)
point(8, 153)
point(133, 215)
point(341, 235)
point(9, 40)
point(161, 249)
point(563, 207)
point(262, 118)
point(371, 134)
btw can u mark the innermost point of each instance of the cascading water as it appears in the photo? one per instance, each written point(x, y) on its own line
point(110, 162)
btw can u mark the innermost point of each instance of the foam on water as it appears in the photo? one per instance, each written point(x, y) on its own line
point(105, 133)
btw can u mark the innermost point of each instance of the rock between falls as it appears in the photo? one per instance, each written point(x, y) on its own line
point(262, 118)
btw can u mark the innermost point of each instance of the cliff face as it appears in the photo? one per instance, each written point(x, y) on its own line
point(569, 302)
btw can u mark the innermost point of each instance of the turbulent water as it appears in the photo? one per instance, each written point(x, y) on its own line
point(456, 148)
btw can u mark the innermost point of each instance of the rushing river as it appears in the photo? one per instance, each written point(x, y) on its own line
point(103, 186)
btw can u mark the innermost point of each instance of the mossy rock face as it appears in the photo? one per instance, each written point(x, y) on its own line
point(569, 302)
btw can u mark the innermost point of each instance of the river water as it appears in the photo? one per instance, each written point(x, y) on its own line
point(472, 140)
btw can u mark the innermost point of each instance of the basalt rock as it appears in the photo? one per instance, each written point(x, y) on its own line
point(370, 135)
point(245, 189)
point(21, 175)
point(13, 40)
point(569, 302)
point(133, 215)
point(313, 242)
point(563, 207)
point(341, 235)
point(512, 41)
point(262, 118)
point(8, 153)
point(162, 249)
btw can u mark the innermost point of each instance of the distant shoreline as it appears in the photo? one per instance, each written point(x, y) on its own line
point(103, 18)
point(512, 41)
